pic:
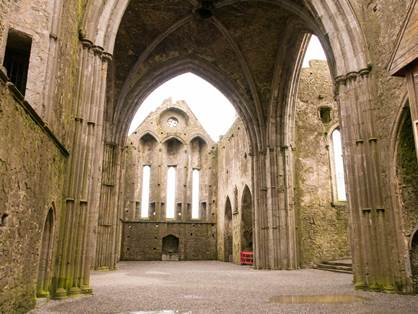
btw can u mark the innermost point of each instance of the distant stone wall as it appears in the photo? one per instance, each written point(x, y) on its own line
point(32, 176)
point(322, 221)
point(143, 241)
point(234, 175)
point(186, 146)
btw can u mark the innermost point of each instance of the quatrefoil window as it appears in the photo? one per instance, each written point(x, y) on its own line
point(172, 122)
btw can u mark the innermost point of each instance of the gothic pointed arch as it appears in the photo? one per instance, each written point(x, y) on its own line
point(148, 136)
point(45, 257)
point(404, 178)
point(247, 220)
point(228, 232)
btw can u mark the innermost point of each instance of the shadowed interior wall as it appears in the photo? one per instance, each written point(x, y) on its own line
point(407, 171)
point(414, 261)
point(407, 177)
point(228, 232)
point(247, 221)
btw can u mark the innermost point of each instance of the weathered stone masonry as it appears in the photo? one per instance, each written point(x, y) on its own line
point(234, 186)
point(31, 186)
point(88, 73)
point(322, 220)
point(188, 147)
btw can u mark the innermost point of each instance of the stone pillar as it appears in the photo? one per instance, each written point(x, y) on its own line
point(285, 215)
point(160, 175)
point(261, 226)
point(412, 82)
point(52, 62)
point(108, 219)
point(374, 248)
point(77, 242)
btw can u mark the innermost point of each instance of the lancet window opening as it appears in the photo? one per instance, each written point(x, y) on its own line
point(195, 193)
point(146, 178)
point(171, 192)
point(337, 160)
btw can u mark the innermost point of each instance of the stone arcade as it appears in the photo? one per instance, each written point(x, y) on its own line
point(75, 72)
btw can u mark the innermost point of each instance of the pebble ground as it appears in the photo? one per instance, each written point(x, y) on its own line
point(217, 287)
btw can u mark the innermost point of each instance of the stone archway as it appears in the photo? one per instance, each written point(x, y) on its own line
point(414, 260)
point(228, 232)
point(267, 113)
point(348, 54)
point(45, 257)
point(170, 248)
point(406, 179)
point(247, 220)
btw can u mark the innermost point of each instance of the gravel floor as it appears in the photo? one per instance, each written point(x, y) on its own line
point(217, 287)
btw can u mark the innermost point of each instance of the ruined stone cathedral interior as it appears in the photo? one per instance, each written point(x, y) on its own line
point(318, 172)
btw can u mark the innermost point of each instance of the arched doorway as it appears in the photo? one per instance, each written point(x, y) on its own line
point(170, 250)
point(414, 260)
point(45, 257)
point(247, 221)
point(228, 237)
point(407, 183)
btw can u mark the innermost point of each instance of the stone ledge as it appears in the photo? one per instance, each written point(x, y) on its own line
point(20, 100)
point(167, 222)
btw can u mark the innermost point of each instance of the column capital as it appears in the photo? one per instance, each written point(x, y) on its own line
point(353, 75)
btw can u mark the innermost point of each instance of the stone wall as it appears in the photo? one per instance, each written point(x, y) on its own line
point(234, 177)
point(143, 241)
point(186, 146)
point(32, 176)
point(35, 22)
point(322, 220)
point(370, 99)
point(53, 66)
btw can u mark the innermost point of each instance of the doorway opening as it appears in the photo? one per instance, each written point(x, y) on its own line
point(228, 232)
point(407, 185)
point(247, 221)
point(45, 257)
point(170, 248)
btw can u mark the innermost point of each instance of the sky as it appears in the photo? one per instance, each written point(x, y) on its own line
point(210, 106)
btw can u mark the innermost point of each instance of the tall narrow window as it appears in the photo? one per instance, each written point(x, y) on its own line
point(146, 176)
point(339, 180)
point(16, 58)
point(171, 192)
point(195, 193)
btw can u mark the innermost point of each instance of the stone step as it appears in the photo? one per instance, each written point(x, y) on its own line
point(342, 262)
point(339, 266)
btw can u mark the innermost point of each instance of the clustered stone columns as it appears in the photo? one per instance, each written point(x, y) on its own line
point(108, 233)
point(260, 218)
point(412, 82)
point(82, 186)
point(374, 244)
point(52, 62)
point(274, 220)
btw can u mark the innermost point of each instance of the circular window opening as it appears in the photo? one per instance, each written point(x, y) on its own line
point(172, 122)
